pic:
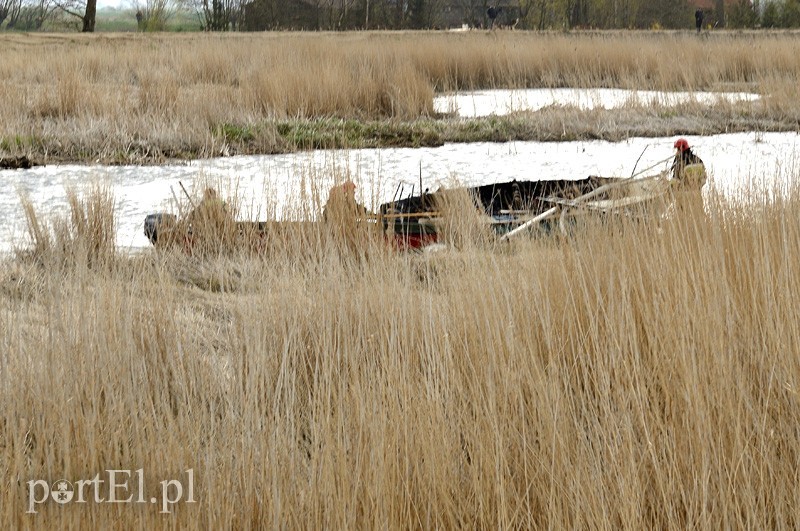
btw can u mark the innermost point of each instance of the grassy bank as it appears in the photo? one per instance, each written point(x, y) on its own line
point(143, 98)
point(630, 376)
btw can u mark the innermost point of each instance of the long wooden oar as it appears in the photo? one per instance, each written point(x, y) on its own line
point(187, 194)
point(659, 163)
point(177, 203)
point(575, 202)
point(528, 224)
point(599, 190)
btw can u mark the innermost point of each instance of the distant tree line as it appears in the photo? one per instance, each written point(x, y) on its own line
point(32, 15)
point(337, 15)
point(257, 15)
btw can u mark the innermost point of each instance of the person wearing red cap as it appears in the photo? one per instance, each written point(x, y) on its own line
point(688, 169)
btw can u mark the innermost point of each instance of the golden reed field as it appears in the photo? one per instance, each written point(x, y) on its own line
point(627, 376)
point(632, 375)
point(143, 98)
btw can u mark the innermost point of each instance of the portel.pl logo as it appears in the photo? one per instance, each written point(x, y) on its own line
point(119, 486)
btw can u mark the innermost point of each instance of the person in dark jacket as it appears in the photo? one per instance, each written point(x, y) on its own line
point(698, 19)
point(492, 13)
point(688, 169)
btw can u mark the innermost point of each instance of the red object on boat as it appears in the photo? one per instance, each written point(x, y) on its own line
point(405, 242)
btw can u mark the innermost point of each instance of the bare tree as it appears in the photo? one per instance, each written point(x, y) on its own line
point(742, 14)
point(9, 9)
point(719, 10)
point(85, 10)
point(577, 12)
point(154, 14)
point(318, 14)
point(216, 15)
point(427, 13)
point(334, 13)
point(30, 15)
point(89, 15)
point(625, 12)
point(323, 8)
point(344, 7)
point(40, 11)
point(473, 11)
point(614, 13)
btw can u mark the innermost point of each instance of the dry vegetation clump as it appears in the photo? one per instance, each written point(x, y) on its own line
point(637, 119)
point(135, 98)
point(462, 223)
point(84, 237)
point(632, 375)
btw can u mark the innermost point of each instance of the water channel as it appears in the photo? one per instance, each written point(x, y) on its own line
point(281, 186)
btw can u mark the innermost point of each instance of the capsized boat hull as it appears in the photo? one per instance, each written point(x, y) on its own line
point(415, 221)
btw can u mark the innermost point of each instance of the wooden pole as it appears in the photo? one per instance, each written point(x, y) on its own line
point(187, 194)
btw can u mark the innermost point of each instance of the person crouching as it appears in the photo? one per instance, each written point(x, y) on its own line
point(345, 216)
point(211, 224)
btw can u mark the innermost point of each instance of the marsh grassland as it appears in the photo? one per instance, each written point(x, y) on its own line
point(629, 375)
point(143, 98)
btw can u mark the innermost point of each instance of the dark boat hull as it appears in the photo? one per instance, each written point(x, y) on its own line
point(409, 220)
point(416, 221)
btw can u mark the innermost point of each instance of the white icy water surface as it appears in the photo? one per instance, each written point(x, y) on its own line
point(734, 161)
point(501, 102)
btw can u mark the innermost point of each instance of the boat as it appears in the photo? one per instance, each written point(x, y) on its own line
point(514, 208)
point(508, 209)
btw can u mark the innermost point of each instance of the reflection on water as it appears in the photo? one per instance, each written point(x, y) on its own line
point(272, 186)
point(501, 102)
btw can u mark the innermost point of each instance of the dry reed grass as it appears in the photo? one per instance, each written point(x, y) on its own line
point(83, 238)
point(140, 98)
point(631, 376)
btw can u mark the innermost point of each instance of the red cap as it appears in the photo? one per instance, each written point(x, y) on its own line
point(681, 144)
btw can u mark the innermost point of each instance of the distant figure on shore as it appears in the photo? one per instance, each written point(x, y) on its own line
point(688, 170)
point(139, 19)
point(492, 13)
point(698, 19)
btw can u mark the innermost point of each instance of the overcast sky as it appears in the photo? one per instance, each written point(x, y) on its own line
point(111, 3)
